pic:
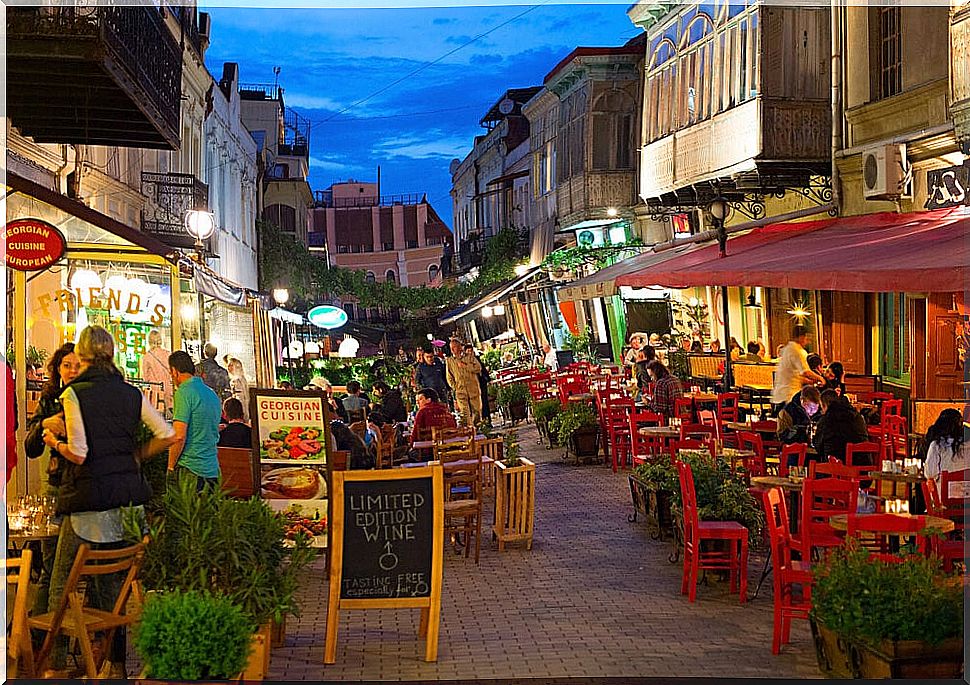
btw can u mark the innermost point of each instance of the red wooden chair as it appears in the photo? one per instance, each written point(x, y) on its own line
point(683, 409)
point(956, 507)
point(931, 496)
point(696, 532)
point(697, 431)
point(677, 445)
point(617, 416)
point(888, 407)
point(796, 452)
point(874, 530)
point(895, 437)
point(756, 465)
point(568, 388)
point(863, 454)
point(788, 573)
point(823, 498)
point(727, 406)
point(645, 448)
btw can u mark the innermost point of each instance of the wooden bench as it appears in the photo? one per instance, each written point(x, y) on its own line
point(753, 383)
point(924, 412)
point(703, 369)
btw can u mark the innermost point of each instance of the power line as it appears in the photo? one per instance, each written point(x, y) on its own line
point(421, 68)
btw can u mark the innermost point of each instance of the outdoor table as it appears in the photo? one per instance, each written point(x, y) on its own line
point(666, 432)
point(906, 479)
point(778, 482)
point(736, 456)
point(581, 397)
point(17, 540)
point(934, 524)
point(428, 444)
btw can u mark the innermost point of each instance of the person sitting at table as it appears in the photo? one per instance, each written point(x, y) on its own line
point(355, 403)
point(795, 420)
point(753, 355)
point(646, 355)
point(839, 425)
point(735, 348)
point(715, 346)
point(834, 373)
point(696, 346)
point(236, 433)
point(431, 414)
point(361, 456)
point(391, 408)
point(943, 448)
point(636, 342)
point(666, 389)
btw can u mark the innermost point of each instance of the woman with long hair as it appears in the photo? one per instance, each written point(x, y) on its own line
point(944, 446)
point(238, 384)
point(834, 374)
point(62, 369)
point(103, 416)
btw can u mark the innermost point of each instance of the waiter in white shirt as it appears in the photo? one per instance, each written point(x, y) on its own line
point(792, 371)
point(550, 361)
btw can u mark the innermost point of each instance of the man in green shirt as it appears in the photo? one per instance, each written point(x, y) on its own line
point(196, 422)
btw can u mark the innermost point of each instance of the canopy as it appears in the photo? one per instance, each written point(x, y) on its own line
point(887, 252)
point(603, 282)
point(490, 297)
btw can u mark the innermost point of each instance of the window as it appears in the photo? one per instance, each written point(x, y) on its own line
point(890, 52)
point(894, 338)
point(280, 171)
point(613, 131)
point(283, 216)
point(370, 278)
point(387, 247)
point(390, 276)
point(432, 272)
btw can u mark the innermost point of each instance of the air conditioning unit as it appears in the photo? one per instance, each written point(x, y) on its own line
point(882, 173)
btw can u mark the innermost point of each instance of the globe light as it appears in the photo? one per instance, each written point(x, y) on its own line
point(487, 312)
point(281, 296)
point(199, 224)
point(521, 269)
point(499, 310)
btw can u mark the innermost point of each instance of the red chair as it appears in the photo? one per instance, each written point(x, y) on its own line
point(568, 388)
point(874, 530)
point(683, 408)
point(788, 573)
point(835, 469)
point(677, 445)
point(889, 407)
point(617, 416)
point(697, 431)
point(956, 507)
point(727, 406)
point(895, 437)
point(931, 496)
point(823, 498)
point(756, 465)
point(645, 448)
point(863, 454)
point(696, 532)
point(798, 450)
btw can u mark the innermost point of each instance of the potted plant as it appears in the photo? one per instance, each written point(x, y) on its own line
point(582, 346)
point(207, 541)
point(652, 488)
point(514, 400)
point(515, 494)
point(542, 412)
point(577, 427)
point(185, 636)
point(492, 359)
point(881, 619)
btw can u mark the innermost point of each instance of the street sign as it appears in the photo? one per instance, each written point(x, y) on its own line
point(32, 244)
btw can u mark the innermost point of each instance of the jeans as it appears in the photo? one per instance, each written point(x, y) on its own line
point(201, 482)
point(102, 591)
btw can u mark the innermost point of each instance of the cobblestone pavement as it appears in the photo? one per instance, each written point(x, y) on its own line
point(596, 596)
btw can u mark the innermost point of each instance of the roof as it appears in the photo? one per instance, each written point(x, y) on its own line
point(634, 46)
point(519, 96)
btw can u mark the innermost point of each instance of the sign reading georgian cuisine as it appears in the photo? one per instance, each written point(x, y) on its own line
point(32, 244)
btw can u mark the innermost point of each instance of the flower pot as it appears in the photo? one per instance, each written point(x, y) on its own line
point(278, 633)
point(518, 411)
point(258, 664)
point(585, 442)
point(841, 657)
point(515, 494)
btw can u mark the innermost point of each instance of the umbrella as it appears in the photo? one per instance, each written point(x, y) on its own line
point(438, 343)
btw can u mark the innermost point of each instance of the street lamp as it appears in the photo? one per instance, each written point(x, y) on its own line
point(282, 296)
point(719, 211)
point(199, 224)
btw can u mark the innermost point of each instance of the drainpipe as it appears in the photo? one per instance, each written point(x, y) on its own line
point(837, 119)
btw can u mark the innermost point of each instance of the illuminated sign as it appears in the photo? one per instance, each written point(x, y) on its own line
point(32, 244)
point(327, 316)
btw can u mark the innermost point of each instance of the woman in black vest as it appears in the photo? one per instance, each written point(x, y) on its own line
point(103, 417)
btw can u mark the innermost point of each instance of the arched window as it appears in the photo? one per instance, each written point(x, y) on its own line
point(370, 278)
point(282, 216)
point(432, 272)
point(390, 276)
point(613, 131)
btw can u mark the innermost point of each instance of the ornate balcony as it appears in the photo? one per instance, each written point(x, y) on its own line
point(108, 75)
point(170, 196)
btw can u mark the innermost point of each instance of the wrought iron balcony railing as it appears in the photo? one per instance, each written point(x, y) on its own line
point(170, 196)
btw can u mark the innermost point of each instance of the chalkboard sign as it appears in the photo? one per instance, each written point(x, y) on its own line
point(387, 538)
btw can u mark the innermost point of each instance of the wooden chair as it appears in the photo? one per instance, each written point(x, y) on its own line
point(956, 507)
point(787, 573)
point(617, 417)
point(684, 409)
point(491, 450)
point(20, 651)
point(644, 448)
point(874, 530)
point(727, 406)
point(445, 433)
point(697, 431)
point(461, 466)
point(931, 496)
point(796, 452)
point(823, 498)
point(239, 471)
point(756, 465)
point(74, 619)
point(696, 532)
point(863, 454)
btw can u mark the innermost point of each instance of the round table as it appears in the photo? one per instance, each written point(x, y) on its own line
point(660, 432)
point(897, 477)
point(777, 482)
point(934, 524)
point(17, 540)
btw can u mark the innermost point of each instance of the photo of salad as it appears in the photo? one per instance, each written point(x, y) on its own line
point(294, 442)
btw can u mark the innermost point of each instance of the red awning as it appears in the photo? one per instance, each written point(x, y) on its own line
point(887, 252)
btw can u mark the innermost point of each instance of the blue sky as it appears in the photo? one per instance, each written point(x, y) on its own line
point(334, 58)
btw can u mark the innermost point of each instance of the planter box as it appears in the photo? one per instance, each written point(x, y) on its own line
point(278, 633)
point(258, 664)
point(584, 443)
point(515, 499)
point(844, 658)
point(653, 504)
point(518, 411)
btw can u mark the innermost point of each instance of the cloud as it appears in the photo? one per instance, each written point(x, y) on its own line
point(307, 101)
point(429, 146)
point(483, 58)
point(333, 164)
point(441, 21)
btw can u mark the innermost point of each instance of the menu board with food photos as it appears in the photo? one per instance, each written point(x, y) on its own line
point(291, 435)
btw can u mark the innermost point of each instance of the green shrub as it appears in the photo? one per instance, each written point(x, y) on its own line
point(514, 393)
point(192, 636)
point(873, 601)
point(543, 410)
point(207, 541)
point(492, 359)
point(576, 415)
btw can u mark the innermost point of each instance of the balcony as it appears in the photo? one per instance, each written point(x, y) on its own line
point(108, 75)
point(325, 198)
point(471, 253)
point(170, 196)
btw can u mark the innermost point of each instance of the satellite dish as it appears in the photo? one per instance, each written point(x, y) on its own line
point(506, 106)
point(453, 167)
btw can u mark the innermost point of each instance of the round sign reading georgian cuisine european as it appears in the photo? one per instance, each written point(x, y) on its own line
point(32, 244)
